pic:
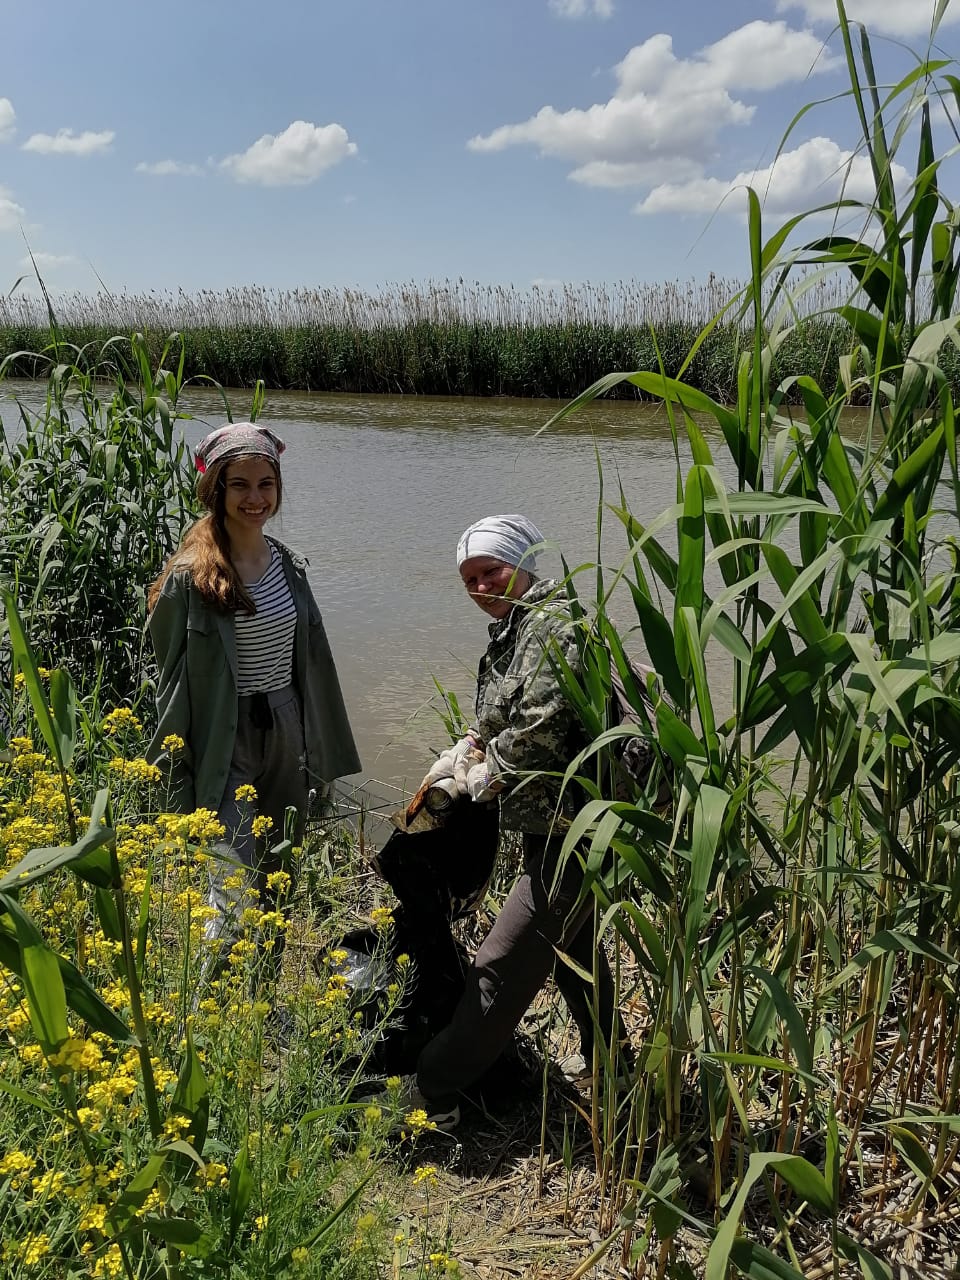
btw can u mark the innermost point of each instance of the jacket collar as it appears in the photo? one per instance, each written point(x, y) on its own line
point(540, 590)
point(294, 558)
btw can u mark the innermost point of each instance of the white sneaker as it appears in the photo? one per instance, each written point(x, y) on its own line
point(575, 1069)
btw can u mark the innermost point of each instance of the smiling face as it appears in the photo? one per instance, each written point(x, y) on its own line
point(251, 494)
point(494, 584)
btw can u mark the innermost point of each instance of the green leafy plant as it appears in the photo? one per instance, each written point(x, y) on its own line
point(96, 496)
point(793, 920)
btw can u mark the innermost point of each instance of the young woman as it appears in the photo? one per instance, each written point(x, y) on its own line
point(246, 678)
point(524, 724)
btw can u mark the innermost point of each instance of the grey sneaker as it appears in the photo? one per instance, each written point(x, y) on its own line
point(578, 1071)
point(418, 1113)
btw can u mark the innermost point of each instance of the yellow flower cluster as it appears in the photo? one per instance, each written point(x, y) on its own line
point(77, 1054)
point(213, 1174)
point(137, 770)
point(109, 1266)
point(121, 721)
point(426, 1175)
point(51, 1186)
point(417, 1121)
point(200, 826)
point(278, 882)
point(17, 1166)
point(30, 1251)
point(381, 918)
point(444, 1264)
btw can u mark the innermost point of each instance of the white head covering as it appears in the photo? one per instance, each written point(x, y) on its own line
point(506, 538)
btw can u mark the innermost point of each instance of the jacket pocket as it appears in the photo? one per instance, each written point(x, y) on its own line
point(205, 651)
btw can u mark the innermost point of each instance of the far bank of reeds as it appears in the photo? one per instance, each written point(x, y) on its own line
point(441, 338)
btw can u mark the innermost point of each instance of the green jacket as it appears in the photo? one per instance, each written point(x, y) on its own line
point(523, 717)
point(196, 650)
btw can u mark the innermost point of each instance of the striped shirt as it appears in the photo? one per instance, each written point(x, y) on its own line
point(265, 639)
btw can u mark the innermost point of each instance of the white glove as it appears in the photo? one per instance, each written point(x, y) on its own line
point(463, 766)
point(445, 764)
point(479, 786)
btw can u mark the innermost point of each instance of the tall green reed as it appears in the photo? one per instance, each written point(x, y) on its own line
point(95, 497)
point(794, 919)
point(442, 338)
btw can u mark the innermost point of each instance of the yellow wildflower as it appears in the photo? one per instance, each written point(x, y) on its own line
point(214, 1174)
point(416, 1121)
point(121, 720)
point(173, 743)
point(109, 1266)
point(246, 791)
point(137, 770)
point(76, 1054)
point(381, 917)
point(94, 1218)
point(16, 1165)
point(427, 1174)
point(34, 1248)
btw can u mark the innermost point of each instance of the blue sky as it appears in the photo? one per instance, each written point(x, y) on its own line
point(208, 144)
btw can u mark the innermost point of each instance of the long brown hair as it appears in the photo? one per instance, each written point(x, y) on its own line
point(205, 550)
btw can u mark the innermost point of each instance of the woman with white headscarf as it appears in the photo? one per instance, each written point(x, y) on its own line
point(525, 730)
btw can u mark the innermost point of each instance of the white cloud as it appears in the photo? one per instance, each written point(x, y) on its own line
point(66, 142)
point(7, 117)
point(811, 175)
point(666, 112)
point(169, 168)
point(582, 8)
point(11, 213)
point(892, 17)
point(48, 261)
point(297, 156)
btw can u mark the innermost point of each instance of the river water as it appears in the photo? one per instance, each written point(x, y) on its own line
point(377, 490)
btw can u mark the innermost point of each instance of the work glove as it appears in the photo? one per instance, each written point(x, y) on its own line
point(463, 766)
point(446, 763)
point(479, 786)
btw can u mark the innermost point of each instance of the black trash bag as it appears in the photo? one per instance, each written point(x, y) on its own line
point(438, 866)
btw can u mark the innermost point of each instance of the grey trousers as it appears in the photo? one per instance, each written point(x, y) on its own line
point(271, 758)
point(513, 963)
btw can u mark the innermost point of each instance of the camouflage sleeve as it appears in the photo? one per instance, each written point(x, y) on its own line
point(540, 719)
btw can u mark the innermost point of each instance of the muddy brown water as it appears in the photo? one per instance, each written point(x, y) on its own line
point(377, 490)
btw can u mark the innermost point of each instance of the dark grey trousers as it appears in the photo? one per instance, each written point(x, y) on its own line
point(272, 760)
point(514, 961)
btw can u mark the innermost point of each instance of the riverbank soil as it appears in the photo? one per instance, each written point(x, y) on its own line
point(519, 1189)
point(514, 1212)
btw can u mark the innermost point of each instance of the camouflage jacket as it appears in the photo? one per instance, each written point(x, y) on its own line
point(523, 718)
